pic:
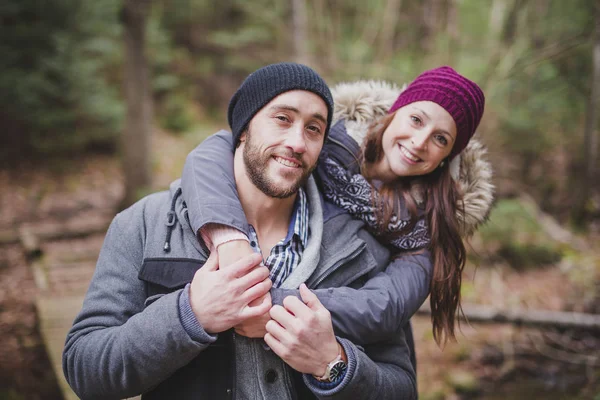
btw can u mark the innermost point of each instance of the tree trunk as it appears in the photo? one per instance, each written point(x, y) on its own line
point(452, 30)
point(431, 13)
point(299, 32)
point(534, 318)
point(590, 138)
point(497, 12)
point(503, 23)
point(388, 29)
point(136, 140)
point(510, 24)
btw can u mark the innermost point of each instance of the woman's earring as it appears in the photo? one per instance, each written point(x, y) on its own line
point(442, 164)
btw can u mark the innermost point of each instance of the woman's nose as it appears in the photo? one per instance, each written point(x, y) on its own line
point(419, 140)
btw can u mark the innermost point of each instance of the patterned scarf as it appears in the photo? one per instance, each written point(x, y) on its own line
point(353, 193)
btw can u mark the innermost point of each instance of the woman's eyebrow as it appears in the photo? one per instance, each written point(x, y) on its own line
point(446, 133)
point(423, 112)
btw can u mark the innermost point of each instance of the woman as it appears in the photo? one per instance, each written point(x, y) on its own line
point(388, 161)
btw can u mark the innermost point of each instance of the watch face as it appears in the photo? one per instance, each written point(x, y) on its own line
point(337, 370)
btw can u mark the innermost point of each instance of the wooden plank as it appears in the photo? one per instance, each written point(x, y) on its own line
point(30, 243)
point(40, 274)
point(8, 236)
point(71, 229)
point(56, 315)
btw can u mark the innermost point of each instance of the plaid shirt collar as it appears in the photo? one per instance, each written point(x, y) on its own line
point(299, 221)
point(287, 253)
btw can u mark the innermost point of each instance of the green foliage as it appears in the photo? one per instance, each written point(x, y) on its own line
point(55, 59)
point(172, 104)
point(515, 236)
point(463, 381)
point(176, 116)
point(61, 63)
point(550, 99)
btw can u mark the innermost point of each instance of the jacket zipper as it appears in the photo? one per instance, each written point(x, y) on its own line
point(233, 366)
point(288, 380)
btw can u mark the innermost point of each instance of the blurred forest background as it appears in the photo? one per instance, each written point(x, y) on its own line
point(100, 101)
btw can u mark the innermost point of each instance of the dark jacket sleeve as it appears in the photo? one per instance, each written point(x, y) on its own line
point(117, 347)
point(382, 371)
point(375, 311)
point(208, 184)
point(366, 315)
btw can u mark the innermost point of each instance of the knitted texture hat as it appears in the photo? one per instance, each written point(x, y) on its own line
point(264, 84)
point(462, 98)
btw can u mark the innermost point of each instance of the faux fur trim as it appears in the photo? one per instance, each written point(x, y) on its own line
point(362, 103)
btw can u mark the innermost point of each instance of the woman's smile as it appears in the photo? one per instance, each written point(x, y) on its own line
point(408, 156)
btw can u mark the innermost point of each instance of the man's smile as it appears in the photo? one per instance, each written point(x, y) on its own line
point(288, 162)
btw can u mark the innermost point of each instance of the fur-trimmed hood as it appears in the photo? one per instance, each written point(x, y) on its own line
point(360, 103)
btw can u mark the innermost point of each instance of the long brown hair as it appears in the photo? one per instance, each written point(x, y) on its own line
point(442, 204)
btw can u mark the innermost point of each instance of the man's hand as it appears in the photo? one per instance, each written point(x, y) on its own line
point(302, 334)
point(221, 299)
point(253, 327)
point(232, 251)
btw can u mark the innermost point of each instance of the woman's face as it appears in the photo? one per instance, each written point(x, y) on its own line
point(418, 139)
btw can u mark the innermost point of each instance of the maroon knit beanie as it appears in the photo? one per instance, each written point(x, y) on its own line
point(462, 98)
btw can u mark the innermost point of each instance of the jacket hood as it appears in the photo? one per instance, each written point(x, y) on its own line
point(363, 102)
point(178, 205)
point(177, 213)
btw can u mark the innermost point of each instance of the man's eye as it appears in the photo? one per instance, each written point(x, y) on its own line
point(314, 128)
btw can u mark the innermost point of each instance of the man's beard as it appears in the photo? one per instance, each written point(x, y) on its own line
point(256, 168)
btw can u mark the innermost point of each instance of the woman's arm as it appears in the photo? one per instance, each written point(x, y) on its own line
point(375, 311)
point(382, 371)
point(208, 184)
point(209, 190)
point(365, 315)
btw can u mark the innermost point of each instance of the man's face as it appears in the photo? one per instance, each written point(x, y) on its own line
point(283, 142)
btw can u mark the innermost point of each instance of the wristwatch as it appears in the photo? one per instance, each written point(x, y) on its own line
point(335, 370)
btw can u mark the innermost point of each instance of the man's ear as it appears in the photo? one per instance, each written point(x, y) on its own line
point(242, 138)
point(244, 134)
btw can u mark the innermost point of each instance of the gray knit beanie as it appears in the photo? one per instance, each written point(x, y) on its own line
point(264, 84)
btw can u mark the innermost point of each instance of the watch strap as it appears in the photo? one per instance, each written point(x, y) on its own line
point(327, 375)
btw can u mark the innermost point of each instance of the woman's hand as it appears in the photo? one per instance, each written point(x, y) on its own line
point(229, 253)
point(232, 251)
point(302, 333)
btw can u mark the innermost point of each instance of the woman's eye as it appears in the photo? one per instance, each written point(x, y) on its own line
point(415, 119)
point(442, 139)
point(283, 118)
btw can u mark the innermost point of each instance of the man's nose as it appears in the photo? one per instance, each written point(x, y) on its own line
point(296, 139)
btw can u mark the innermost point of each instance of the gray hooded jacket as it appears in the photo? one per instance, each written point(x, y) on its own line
point(129, 337)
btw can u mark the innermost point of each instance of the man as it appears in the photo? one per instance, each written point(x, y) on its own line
point(157, 317)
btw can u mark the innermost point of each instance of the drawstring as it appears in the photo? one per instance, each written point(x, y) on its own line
point(171, 219)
